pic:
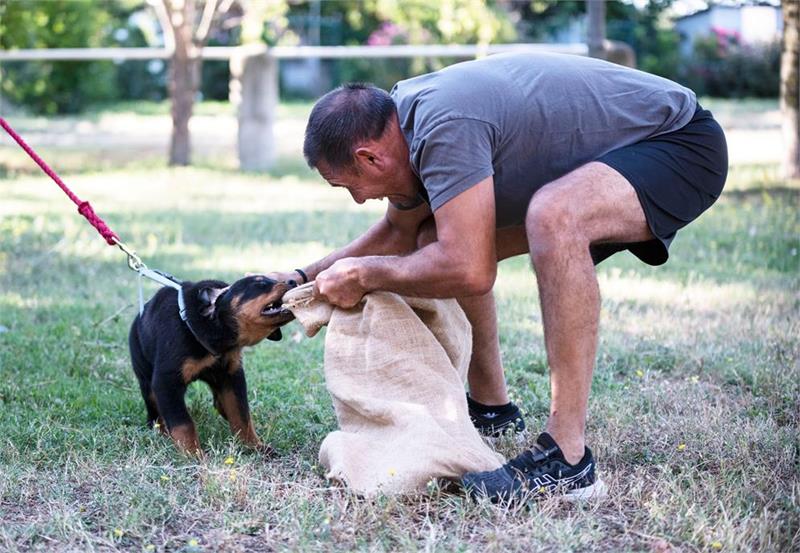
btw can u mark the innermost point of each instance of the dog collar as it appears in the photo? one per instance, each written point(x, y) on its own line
point(166, 279)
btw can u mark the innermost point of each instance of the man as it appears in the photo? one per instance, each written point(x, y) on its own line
point(568, 159)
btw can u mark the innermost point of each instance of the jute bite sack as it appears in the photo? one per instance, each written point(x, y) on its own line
point(395, 368)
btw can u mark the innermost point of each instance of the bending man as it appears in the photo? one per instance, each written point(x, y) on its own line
point(565, 158)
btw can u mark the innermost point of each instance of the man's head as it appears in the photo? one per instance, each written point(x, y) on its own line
point(354, 140)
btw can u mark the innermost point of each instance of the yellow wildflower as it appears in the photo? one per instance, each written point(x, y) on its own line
point(118, 532)
point(640, 373)
point(716, 545)
point(192, 542)
point(229, 460)
point(232, 475)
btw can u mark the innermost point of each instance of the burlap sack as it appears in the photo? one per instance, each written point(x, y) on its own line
point(395, 368)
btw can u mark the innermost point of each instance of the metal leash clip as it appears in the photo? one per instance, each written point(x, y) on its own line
point(165, 279)
point(134, 261)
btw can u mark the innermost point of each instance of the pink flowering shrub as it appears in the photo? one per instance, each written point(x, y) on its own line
point(724, 65)
point(387, 34)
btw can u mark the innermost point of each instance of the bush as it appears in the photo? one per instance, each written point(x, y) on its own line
point(54, 87)
point(723, 66)
point(138, 79)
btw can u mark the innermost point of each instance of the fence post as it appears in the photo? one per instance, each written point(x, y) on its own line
point(254, 90)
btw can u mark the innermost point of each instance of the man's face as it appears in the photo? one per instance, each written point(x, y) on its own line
point(367, 183)
point(361, 187)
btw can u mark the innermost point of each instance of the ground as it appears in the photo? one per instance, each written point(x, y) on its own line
point(695, 409)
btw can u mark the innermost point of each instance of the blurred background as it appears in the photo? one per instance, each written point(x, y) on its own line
point(111, 108)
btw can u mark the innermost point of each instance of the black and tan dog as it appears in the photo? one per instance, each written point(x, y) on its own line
point(200, 336)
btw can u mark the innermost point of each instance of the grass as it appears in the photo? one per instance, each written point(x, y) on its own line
point(695, 408)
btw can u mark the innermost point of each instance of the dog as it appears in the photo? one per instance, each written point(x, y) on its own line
point(198, 334)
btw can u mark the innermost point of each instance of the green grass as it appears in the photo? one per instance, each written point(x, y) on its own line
point(694, 417)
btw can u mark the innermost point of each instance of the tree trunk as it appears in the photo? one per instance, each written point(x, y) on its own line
point(188, 36)
point(790, 88)
point(258, 82)
point(184, 80)
point(596, 28)
point(185, 77)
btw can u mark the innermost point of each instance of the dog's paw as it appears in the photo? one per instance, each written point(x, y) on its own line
point(265, 450)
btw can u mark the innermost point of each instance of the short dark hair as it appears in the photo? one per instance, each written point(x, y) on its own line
point(345, 116)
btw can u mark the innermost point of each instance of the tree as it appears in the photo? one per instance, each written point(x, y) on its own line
point(790, 88)
point(596, 33)
point(186, 32)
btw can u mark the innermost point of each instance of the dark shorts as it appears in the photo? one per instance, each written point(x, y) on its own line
point(677, 176)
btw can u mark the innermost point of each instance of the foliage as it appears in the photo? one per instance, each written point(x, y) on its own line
point(643, 27)
point(383, 22)
point(540, 20)
point(138, 79)
point(647, 31)
point(724, 66)
point(51, 87)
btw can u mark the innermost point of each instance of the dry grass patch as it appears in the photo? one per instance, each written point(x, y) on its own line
point(694, 412)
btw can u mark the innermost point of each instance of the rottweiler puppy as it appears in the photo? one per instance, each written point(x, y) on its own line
point(200, 336)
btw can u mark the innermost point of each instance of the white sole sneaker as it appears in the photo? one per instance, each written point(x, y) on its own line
point(595, 492)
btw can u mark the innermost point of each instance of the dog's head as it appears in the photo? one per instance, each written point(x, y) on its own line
point(247, 311)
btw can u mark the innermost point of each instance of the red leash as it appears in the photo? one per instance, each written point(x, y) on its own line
point(134, 261)
point(84, 208)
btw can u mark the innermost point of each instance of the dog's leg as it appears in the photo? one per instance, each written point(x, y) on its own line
point(143, 370)
point(169, 394)
point(232, 394)
point(218, 402)
point(154, 419)
point(185, 437)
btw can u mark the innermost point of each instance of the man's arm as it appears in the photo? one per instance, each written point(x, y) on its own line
point(462, 262)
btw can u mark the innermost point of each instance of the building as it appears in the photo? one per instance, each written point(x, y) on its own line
point(751, 24)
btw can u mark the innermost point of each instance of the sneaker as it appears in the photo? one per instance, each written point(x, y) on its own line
point(538, 471)
point(494, 421)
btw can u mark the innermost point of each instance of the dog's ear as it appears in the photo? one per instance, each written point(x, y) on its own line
point(275, 336)
point(208, 300)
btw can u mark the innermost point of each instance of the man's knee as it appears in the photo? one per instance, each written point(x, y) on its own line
point(552, 224)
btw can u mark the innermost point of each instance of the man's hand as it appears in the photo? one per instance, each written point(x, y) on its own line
point(340, 284)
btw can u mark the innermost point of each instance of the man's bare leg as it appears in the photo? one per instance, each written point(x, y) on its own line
point(589, 205)
point(486, 377)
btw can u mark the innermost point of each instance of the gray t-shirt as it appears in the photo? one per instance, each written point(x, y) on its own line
point(528, 119)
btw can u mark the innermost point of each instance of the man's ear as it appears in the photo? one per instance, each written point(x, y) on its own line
point(208, 300)
point(368, 158)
